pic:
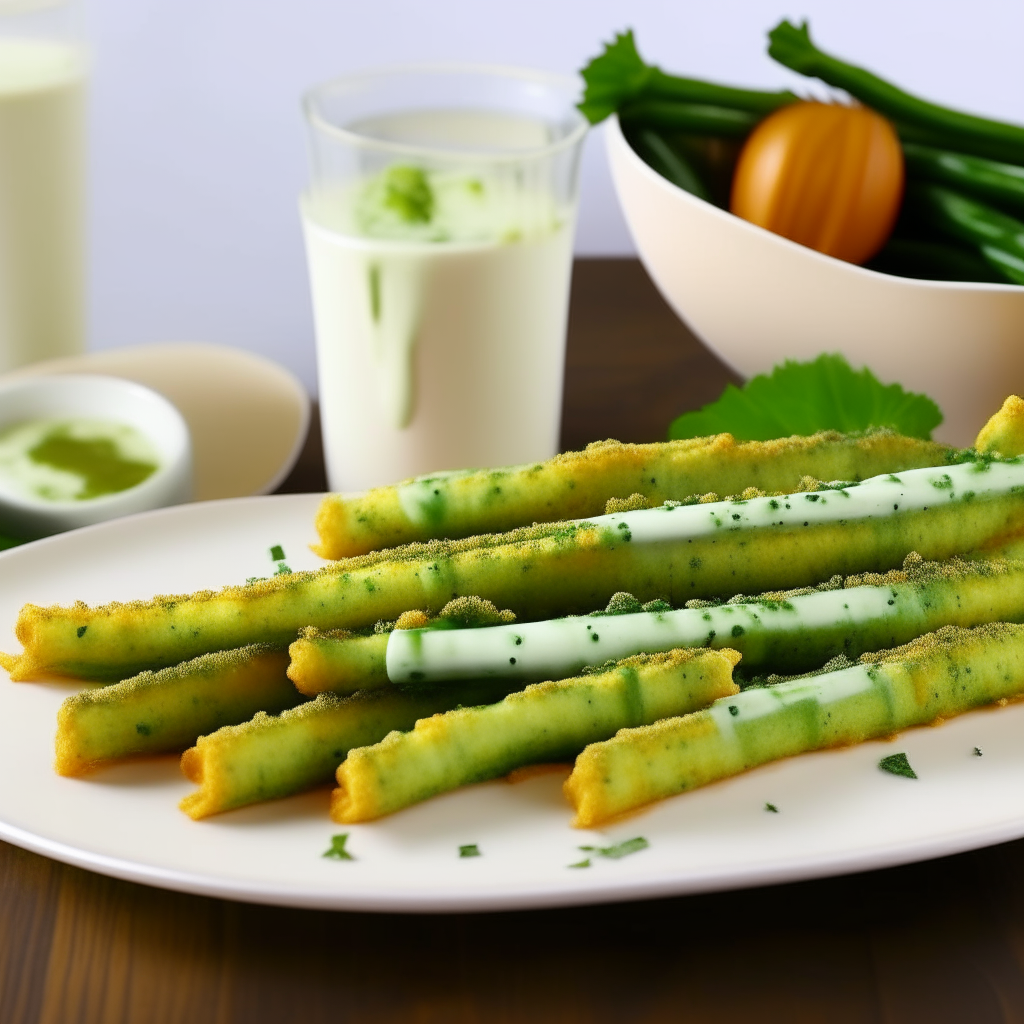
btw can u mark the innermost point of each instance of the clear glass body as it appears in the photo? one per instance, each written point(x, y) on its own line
point(43, 72)
point(438, 225)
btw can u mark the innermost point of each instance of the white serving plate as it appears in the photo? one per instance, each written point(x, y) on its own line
point(836, 811)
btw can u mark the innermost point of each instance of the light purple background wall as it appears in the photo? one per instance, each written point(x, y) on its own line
point(198, 147)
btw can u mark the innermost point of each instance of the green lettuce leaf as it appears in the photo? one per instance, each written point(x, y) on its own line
point(803, 398)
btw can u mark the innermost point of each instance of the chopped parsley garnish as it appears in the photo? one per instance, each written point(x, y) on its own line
point(581, 863)
point(619, 850)
point(277, 553)
point(772, 808)
point(897, 764)
point(337, 849)
point(469, 850)
point(977, 751)
point(282, 569)
point(80, 632)
point(803, 398)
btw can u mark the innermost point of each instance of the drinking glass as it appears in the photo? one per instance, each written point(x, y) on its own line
point(439, 223)
point(43, 70)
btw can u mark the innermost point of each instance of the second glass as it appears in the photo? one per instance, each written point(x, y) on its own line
point(439, 225)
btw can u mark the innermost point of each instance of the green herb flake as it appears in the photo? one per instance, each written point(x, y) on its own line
point(897, 764)
point(408, 193)
point(337, 850)
point(469, 850)
point(282, 570)
point(619, 850)
point(977, 751)
point(80, 632)
point(772, 808)
point(803, 398)
point(581, 863)
point(277, 553)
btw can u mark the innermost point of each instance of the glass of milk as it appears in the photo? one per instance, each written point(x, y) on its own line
point(439, 224)
point(43, 69)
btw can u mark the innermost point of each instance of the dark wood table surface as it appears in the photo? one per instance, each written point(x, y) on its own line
point(933, 943)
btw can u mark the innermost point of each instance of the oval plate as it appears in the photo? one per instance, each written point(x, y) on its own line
point(836, 811)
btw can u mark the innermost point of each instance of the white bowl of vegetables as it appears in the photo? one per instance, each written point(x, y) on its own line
point(756, 297)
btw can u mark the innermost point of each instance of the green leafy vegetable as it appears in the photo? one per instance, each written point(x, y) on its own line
point(619, 850)
point(897, 764)
point(620, 74)
point(277, 553)
point(803, 398)
point(469, 850)
point(337, 849)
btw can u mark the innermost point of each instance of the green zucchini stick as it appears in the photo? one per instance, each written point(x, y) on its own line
point(276, 756)
point(936, 676)
point(550, 721)
point(998, 236)
point(998, 183)
point(676, 552)
point(158, 712)
point(578, 484)
point(792, 47)
point(341, 661)
point(786, 632)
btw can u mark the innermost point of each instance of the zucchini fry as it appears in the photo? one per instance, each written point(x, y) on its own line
point(549, 721)
point(936, 676)
point(788, 632)
point(275, 756)
point(157, 712)
point(676, 552)
point(579, 484)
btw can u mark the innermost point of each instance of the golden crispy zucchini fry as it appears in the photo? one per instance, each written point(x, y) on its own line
point(936, 676)
point(337, 661)
point(275, 756)
point(579, 484)
point(158, 712)
point(1004, 432)
point(675, 553)
point(546, 722)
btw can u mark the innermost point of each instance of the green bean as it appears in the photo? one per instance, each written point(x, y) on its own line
point(997, 236)
point(792, 47)
point(998, 183)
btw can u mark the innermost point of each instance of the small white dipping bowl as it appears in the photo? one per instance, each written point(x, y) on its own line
point(86, 396)
point(756, 299)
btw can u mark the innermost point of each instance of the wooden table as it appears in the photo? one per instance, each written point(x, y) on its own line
point(936, 942)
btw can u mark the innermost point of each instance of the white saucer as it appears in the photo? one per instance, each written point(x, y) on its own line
point(248, 416)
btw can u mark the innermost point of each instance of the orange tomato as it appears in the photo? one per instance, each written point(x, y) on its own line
point(825, 175)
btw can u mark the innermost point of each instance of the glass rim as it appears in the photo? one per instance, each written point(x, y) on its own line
point(319, 122)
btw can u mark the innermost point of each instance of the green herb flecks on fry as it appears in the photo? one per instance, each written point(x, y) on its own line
point(675, 553)
point(274, 756)
point(160, 712)
point(939, 675)
point(577, 484)
point(546, 722)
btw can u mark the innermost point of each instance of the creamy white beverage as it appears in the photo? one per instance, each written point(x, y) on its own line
point(440, 300)
point(42, 128)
